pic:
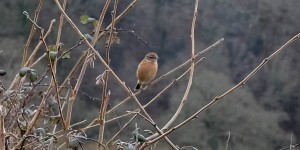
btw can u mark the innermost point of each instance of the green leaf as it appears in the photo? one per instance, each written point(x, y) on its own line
point(139, 137)
point(23, 71)
point(84, 19)
point(52, 48)
point(33, 76)
point(95, 23)
point(52, 55)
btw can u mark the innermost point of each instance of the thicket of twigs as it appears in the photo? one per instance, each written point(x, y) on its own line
point(47, 124)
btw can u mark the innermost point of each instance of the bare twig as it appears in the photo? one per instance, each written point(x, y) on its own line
point(170, 72)
point(38, 60)
point(31, 136)
point(114, 136)
point(54, 81)
point(16, 80)
point(240, 84)
point(288, 147)
point(291, 142)
point(36, 115)
point(92, 124)
point(186, 93)
point(53, 66)
point(159, 94)
point(2, 129)
point(227, 142)
point(81, 59)
point(121, 16)
point(118, 19)
point(119, 81)
point(105, 93)
point(61, 21)
point(32, 31)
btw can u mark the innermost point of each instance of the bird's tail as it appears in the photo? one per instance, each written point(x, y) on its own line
point(138, 86)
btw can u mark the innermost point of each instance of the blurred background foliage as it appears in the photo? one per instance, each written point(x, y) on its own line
point(261, 115)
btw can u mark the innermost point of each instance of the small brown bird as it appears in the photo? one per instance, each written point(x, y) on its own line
point(146, 70)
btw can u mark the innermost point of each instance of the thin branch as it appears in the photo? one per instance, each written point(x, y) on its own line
point(218, 98)
point(72, 72)
point(105, 93)
point(38, 60)
point(74, 92)
point(119, 81)
point(31, 136)
point(32, 31)
point(291, 142)
point(53, 66)
point(36, 115)
point(118, 19)
point(227, 142)
point(186, 93)
point(114, 136)
point(54, 81)
point(61, 21)
point(159, 94)
point(17, 78)
point(2, 129)
point(91, 125)
point(170, 72)
point(288, 147)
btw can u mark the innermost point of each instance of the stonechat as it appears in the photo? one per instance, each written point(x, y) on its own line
point(146, 70)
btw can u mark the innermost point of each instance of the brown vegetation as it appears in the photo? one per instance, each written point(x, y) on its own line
point(70, 85)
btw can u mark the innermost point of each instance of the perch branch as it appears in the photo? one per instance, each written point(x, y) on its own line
point(234, 88)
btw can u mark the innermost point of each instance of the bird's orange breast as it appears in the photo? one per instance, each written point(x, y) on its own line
point(146, 71)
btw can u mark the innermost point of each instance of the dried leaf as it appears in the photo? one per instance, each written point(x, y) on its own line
point(114, 38)
point(66, 54)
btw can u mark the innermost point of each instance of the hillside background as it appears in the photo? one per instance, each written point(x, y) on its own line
point(261, 115)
